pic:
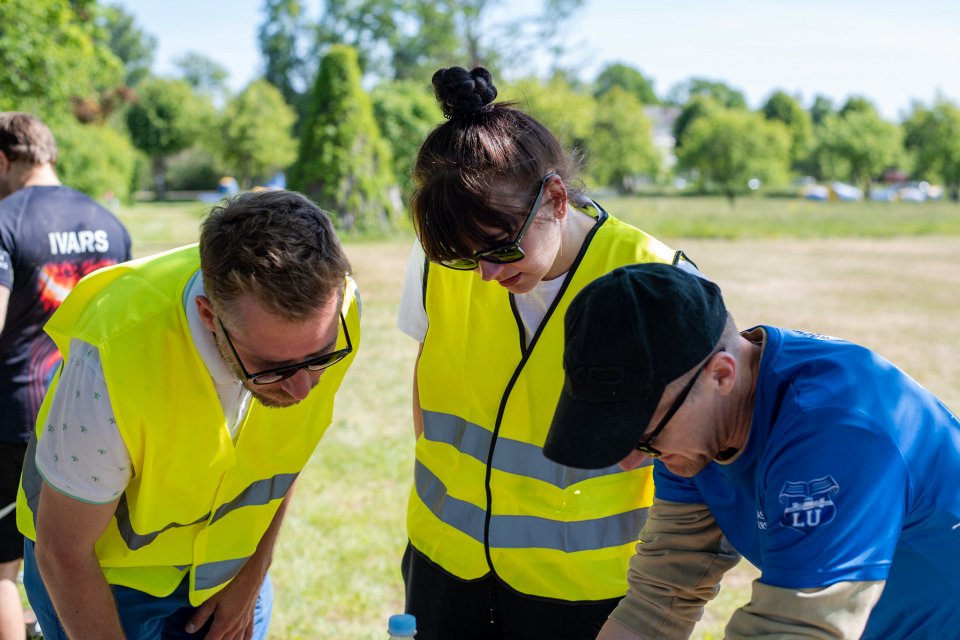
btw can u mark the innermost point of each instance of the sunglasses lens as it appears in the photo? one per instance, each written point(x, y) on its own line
point(461, 264)
point(503, 255)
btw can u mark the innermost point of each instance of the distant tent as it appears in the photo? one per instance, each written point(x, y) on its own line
point(845, 192)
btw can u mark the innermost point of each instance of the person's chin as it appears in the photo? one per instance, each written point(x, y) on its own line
point(680, 466)
point(519, 284)
point(275, 401)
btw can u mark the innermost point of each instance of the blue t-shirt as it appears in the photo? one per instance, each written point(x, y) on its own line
point(851, 472)
point(50, 237)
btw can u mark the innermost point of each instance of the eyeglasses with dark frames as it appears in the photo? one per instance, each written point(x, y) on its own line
point(645, 445)
point(506, 253)
point(271, 376)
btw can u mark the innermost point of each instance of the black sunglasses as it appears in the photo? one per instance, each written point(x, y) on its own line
point(646, 444)
point(270, 376)
point(506, 253)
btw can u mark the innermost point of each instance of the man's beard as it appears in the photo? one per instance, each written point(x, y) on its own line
point(269, 401)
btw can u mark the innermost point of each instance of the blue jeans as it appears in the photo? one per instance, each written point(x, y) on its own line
point(143, 617)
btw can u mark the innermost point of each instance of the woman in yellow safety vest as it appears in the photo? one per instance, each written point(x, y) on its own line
point(503, 542)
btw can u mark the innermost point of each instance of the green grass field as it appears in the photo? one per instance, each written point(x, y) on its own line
point(883, 275)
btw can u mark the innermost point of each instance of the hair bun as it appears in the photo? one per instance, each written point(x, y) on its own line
point(461, 92)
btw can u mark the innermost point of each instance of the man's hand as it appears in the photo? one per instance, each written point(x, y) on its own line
point(232, 608)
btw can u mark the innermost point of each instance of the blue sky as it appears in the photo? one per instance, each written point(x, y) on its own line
point(890, 52)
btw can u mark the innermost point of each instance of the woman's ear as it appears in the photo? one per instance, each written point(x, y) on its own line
point(557, 192)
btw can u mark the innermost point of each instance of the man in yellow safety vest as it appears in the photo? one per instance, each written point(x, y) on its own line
point(195, 386)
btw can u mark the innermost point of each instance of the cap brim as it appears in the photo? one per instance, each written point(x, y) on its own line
point(590, 435)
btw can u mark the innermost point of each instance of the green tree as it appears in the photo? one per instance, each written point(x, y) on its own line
point(628, 78)
point(394, 39)
point(821, 108)
point(281, 36)
point(95, 159)
point(133, 46)
point(695, 108)
point(719, 92)
point(256, 133)
point(784, 108)
point(343, 163)
point(50, 54)
point(858, 146)
point(204, 75)
point(621, 146)
point(568, 113)
point(409, 39)
point(933, 135)
point(857, 104)
point(405, 113)
point(729, 147)
point(165, 118)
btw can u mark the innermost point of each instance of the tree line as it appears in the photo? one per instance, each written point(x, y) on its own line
point(344, 101)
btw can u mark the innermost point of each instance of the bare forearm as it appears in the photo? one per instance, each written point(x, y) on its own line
point(67, 533)
point(80, 595)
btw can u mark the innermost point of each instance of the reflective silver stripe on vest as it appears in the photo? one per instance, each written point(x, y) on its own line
point(259, 492)
point(136, 540)
point(211, 574)
point(511, 456)
point(525, 532)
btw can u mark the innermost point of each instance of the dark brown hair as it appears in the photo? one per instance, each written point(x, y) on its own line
point(479, 171)
point(275, 245)
point(25, 138)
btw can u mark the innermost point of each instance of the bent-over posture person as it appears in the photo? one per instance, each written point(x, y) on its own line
point(195, 386)
point(503, 542)
point(825, 465)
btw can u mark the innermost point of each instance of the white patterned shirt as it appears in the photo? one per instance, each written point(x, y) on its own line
point(81, 453)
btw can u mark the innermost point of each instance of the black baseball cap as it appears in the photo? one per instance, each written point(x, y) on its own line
point(628, 335)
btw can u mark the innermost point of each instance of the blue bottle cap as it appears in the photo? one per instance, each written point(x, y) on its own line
point(402, 624)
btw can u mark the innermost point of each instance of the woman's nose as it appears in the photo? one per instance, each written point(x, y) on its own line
point(489, 270)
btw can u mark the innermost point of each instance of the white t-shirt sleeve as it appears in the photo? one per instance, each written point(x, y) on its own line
point(81, 453)
point(412, 316)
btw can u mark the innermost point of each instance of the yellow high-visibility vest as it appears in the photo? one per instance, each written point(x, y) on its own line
point(196, 501)
point(487, 397)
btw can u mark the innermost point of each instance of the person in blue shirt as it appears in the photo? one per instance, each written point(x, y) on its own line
point(826, 466)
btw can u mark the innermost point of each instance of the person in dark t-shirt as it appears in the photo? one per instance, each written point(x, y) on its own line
point(50, 237)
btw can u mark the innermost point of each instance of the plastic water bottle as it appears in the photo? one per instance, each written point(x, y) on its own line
point(401, 626)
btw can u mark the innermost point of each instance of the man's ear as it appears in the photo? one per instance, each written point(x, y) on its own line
point(4, 162)
point(722, 371)
point(207, 316)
